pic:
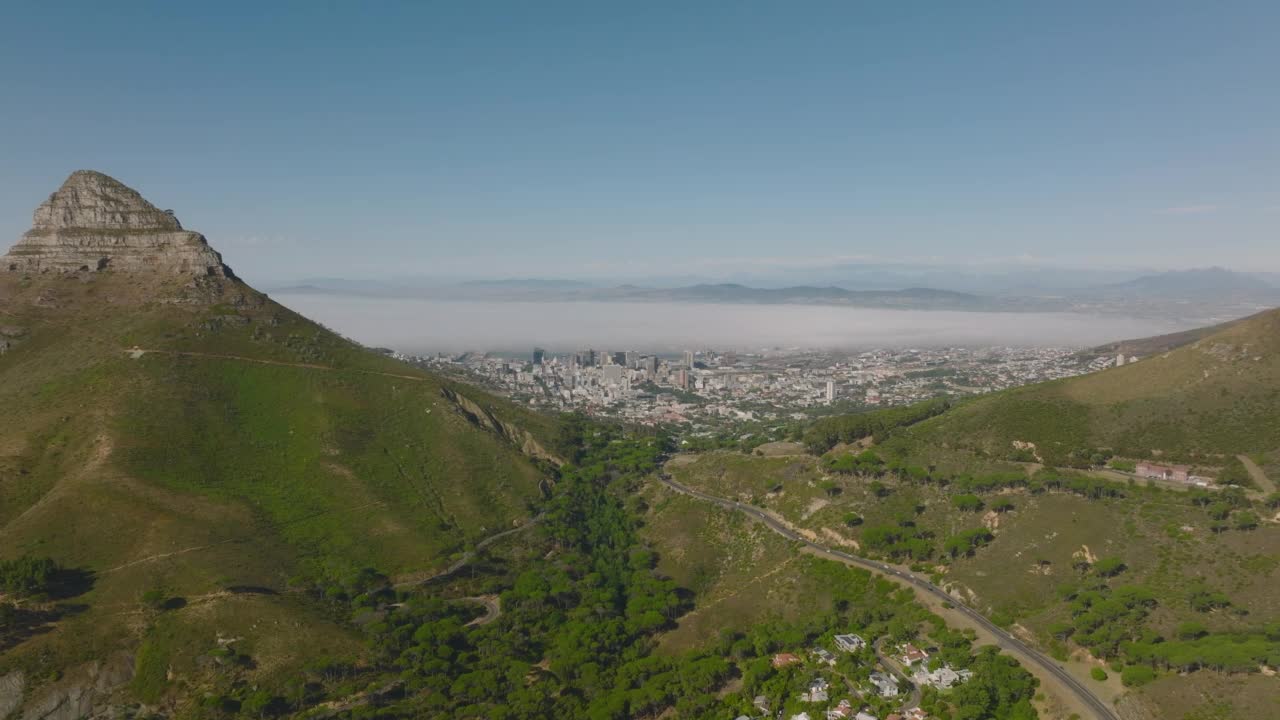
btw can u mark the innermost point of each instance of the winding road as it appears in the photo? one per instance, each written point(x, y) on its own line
point(492, 608)
point(470, 555)
point(913, 700)
point(1004, 639)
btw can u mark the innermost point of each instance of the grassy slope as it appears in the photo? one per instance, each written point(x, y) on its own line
point(193, 474)
point(1219, 395)
point(740, 571)
point(1142, 347)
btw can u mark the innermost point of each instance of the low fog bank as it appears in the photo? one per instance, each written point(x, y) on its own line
point(426, 326)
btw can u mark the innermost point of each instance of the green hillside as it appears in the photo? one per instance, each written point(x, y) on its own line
point(1217, 396)
point(201, 443)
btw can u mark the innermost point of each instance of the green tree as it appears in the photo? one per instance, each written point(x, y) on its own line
point(1192, 630)
point(1137, 675)
point(1109, 567)
point(27, 575)
point(262, 704)
point(1245, 520)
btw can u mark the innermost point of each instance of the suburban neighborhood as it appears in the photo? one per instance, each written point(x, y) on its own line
point(858, 680)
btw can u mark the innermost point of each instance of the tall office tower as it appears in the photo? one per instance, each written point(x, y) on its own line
point(612, 374)
point(831, 392)
point(538, 354)
point(688, 358)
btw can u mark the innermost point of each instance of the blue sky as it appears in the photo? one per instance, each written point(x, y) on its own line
point(595, 138)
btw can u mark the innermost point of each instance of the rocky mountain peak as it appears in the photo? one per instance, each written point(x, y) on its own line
point(95, 222)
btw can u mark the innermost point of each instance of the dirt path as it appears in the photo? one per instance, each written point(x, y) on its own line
point(741, 589)
point(137, 353)
point(1255, 472)
point(228, 541)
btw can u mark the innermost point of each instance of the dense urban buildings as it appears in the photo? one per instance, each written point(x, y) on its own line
point(709, 385)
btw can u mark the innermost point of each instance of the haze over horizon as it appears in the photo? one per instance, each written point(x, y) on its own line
point(429, 326)
point(575, 140)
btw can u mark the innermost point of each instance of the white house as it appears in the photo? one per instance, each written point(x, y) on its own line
point(850, 643)
point(886, 685)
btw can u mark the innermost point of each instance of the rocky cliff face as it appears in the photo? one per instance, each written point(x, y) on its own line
point(514, 434)
point(95, 223)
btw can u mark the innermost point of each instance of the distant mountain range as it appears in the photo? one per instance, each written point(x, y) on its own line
point(1204, 295)
point(799, 295)
point(1205, 284)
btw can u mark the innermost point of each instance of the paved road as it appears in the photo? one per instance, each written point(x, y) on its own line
point(892, 666)
point(1004, 639)
point(470, 555)
point(492, 608)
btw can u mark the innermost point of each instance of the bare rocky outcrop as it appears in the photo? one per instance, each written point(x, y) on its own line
point(95, 223)
point(9, 336)
point(512, 433)
point(11, 689)
point(84, 693)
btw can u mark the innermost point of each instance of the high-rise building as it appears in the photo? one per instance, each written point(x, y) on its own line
point(632, 359)
point(651, 367)
point(620, 358)
point(682, 379)
point(688, 358)
point(538, 354)
point(612, 374)
point(831, 391)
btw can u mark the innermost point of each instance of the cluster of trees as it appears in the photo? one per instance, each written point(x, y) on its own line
point(1228, 509)
point(1000, 688)
point(826, 433)
point(28, 575)
point(866, 463)
point(1104, 618)
point(1225, 652)
point(963, 544)
point(1202, 598)
point(906, 541)
point(903, 540)
point(1047, 479)
point(1235, 473)
point(869, 463)
point(1111, 623)
point(574, 636)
